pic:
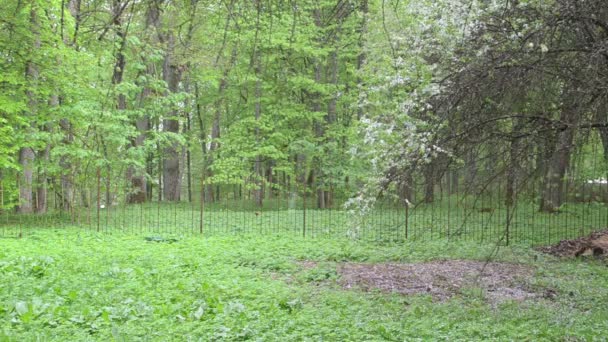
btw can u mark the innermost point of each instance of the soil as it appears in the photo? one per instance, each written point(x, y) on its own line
point(595, 244)
point(496, 281)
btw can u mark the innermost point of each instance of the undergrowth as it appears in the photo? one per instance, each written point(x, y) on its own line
point(59, 285)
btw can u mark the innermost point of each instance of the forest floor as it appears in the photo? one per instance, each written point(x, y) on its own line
point(61, 284)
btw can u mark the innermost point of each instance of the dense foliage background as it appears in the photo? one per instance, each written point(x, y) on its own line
point(347, 99)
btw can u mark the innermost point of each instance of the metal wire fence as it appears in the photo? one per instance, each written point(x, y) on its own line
point(489, 194)
point(454, 213)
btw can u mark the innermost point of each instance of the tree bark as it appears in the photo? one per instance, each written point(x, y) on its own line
point(471, 172)
point(364, 8)
point(258, 193)
point(429, 182)
point(118, 7)
point(41, 184)
point(137, 178)
point(67, 176)
point(172, 170)
point(67, 181)
point(454, 182)
point(513, 166)
point(256, 59)
point(601, 116)
point(138, 193)
point(552, 192)
point(43, 158)
point(188, 153)
point(26, 160)
point(317, 172)
point(27, 156)
point(74, 8)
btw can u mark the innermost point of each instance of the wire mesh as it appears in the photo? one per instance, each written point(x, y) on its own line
point(461, 203)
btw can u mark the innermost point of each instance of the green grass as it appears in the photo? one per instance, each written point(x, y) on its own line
point(65, 284)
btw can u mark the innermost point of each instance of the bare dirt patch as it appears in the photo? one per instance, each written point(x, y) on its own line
point(595, 244)
point(441, 279)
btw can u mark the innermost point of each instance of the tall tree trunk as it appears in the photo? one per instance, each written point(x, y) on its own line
point(207, 189)
point(603, 132)
point(26, 160)
point(364, 8)
point(137, 178)
point(170, 174)
point(41, 184)
point(319, 126)
point(256, 60)
point(471, 172)
point(552, 192)
point(513, 166)
point(258, 193)
point(331, 119)
point(215, 125)
point(117, 76)
point(172, 170)
point(331, 73)
point(601, 117)
point(317, 172)
point(138, 193)
point(120, 58)
point(215, 135)
point(429, 182)
point(67, 176)
point(67, 180)
point(43, 158)
point(453, 177)
point(74, 8)
point(269, 180)
point(27, 156)
point(300, 169)
point(188, 151)
point(159, 163)
point(188, 104)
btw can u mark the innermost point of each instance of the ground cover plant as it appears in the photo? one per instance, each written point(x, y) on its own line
point(303, 170)
point(65, 284)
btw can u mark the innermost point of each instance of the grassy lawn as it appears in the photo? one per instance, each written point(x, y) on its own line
point(63, 284)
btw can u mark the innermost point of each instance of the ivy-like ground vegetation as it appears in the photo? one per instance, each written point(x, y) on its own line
point(65, 284)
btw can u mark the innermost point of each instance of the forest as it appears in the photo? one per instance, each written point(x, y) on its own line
point(338, 97)
point(303, 170)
